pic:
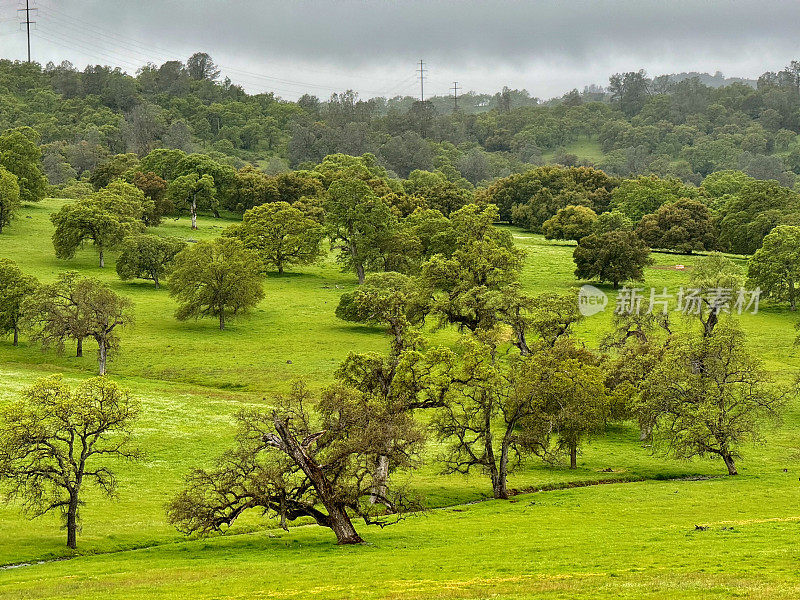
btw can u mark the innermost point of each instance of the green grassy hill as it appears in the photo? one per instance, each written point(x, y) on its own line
point(636, 539)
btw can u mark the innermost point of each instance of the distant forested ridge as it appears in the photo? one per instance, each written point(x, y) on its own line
point(682, 125)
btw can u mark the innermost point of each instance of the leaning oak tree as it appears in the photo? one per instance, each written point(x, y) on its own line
point(295, 463)
point(215, 278)
point(147, 257)
point(53, 444)
point(15, 287)
point(615, 256)
point(708, 394)
point(282, 235)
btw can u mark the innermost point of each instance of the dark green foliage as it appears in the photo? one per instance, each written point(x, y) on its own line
point(615, 257)
point(685, 226)
point(530, 198)
point(751, 214)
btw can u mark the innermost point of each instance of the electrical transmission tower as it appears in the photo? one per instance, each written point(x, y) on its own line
point(422, 70)
point(455, 96)
point(27, 22)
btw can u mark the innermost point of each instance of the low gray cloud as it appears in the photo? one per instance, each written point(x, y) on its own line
point(545, 46)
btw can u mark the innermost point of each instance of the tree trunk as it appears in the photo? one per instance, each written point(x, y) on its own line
point(72, 521)
point(501, 489)
point(79, 351)
point(615, 284)
point(792, 293)
point(342, 526)
point(102, 258)
point(222, 320)
point(381, 478)
point(498, 478)
point(573, 456)
point(102, 351)
point(16, 335)
point(338, 519)
point(280, 268)
point(194, 213)
point(726, 456)
point(711, 322)
point(360, 273)
point(155, 279)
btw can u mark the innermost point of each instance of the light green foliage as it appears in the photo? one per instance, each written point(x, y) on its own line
point(104, 219)
point(708, 395)
point(615, 256)
point(438, 192)
point(9, 197)
point(611, 221)
point(281, 234)
point(192, 192)
point(391, 299)
point(56, 441)
point(570, 223)
point(217, 278)
point(637, 197)
point(147, 257)
point(775, 267)
point(15, 287)
point(466, 281)
point(567, 386)
point(20, 155)
point(357, 223)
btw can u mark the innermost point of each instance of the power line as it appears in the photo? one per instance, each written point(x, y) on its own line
point(455, 96)
point(421, 72)
point(27, 22)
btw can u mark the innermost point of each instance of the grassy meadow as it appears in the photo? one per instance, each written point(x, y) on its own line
point(634, 537)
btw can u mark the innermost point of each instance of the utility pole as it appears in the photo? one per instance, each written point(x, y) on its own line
point(422, 70)
point(27, 22)
point(455, 96)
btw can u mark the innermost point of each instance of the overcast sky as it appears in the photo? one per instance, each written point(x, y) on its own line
point(293, 47)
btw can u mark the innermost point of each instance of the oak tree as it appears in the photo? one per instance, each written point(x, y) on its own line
point(15, 287)
point(9, 197)
point(147, 256)
point(55, 442)
point(303, 459)
point(615, 256)
point(281, 234)
point(215, 278)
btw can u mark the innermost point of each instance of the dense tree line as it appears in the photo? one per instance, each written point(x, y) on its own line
point(669, 126)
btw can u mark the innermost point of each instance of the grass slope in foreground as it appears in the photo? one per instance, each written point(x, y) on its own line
point(632, 540)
